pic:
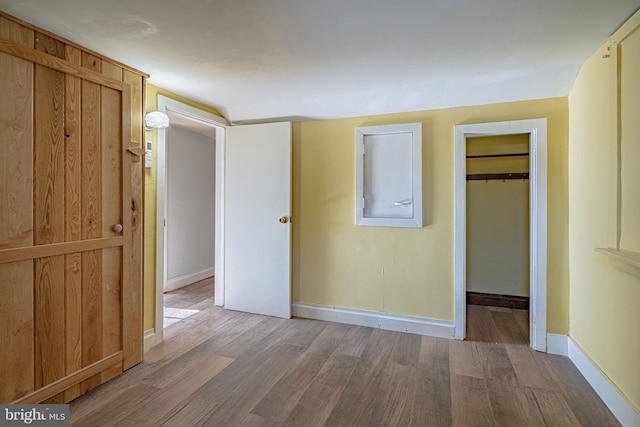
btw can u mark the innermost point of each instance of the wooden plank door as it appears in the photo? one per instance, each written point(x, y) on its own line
point(70, 220)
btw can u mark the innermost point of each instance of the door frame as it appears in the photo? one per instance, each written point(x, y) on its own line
point(537, 130)
point(166, 104)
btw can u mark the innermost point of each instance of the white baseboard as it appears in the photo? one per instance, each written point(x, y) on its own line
point(375, 319)
point(187, 279)
point(608, 392)
point(151, 339)
point(623, 410)
point(558, 344)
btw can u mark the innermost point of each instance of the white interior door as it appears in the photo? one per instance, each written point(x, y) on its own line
point(258, 201)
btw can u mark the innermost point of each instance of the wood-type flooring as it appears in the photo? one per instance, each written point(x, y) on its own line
point(225, 368)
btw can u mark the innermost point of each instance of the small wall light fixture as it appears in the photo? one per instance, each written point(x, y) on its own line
point(156, 120)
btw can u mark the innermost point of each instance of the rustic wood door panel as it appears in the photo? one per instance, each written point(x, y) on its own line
point(16, 218)
point(70, 281)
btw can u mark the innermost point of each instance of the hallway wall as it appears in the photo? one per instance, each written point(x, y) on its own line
point(190, 207)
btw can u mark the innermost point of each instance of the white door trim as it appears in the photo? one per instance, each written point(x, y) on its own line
point(537, 130)
point(219, 123)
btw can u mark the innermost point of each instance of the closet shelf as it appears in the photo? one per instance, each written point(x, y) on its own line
point(487, 156)
point(497, 176)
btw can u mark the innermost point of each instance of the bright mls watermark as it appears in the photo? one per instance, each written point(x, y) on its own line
point(34, 415)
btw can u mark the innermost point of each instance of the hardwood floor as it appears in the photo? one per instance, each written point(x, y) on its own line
point(225, 368)
point(187, 301)
point(498, 325)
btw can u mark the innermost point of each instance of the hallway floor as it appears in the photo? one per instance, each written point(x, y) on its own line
point(184, 302)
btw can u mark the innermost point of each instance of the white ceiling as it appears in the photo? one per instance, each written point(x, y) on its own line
point(311, 59)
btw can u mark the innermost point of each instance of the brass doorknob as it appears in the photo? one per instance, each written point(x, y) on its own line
point(117, 228)
point(283, 220)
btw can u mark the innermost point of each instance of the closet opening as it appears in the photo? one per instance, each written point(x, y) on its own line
point(498, 238)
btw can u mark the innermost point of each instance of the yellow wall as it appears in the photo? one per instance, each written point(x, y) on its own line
point(150, 182)
point(397, 270)
point(405, 271)
point(498, 145)
point(630, 143)
point(605, 319)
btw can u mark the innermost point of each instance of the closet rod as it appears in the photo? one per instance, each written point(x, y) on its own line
point(497, 176)
point(486, 156)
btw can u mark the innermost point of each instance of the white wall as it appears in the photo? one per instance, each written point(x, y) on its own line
point(190, 207)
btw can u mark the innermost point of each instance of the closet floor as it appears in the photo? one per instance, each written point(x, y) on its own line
point(497, 324)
